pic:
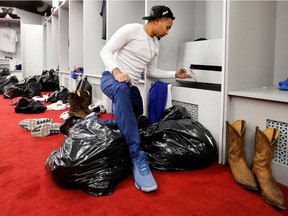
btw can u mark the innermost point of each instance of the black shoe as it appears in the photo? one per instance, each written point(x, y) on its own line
point(13, 16)
point(5, 13)
point(143, 122)
point(68, 123)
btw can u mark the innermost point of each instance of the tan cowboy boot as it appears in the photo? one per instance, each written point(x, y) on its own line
point(86, 101)
point(78, 106)
point(265, 145)
point(236, 155)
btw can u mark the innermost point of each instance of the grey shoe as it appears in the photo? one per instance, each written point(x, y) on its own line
point(46, 129)
point(29, 124)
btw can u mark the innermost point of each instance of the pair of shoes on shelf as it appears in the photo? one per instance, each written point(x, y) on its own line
point(40, 127)
point(8, 13)
point(143, 177)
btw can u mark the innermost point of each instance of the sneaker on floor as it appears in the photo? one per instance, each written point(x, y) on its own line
point(29, 124)
point(65, 115)
point(46, 129)
point(92, 116)
point(59, 105)
point(98, 108)
point(143, 177)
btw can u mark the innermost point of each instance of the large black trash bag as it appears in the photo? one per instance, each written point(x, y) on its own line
point(178, 143)
point(27, 87)
point(61, 94)
point(93, 158)
point(7, 80)
point(49, 80)
point(4, 72)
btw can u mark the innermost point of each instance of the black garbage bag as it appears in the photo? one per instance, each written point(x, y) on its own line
point(177, 143)
point(68, 123)
point(49, 80)
point(27, 87)
point(93, 158)
point(7, 80)
point(61, 94)
point(85, 85)
point(4, 72)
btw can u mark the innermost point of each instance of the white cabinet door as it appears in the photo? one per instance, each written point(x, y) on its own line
point(32, 49)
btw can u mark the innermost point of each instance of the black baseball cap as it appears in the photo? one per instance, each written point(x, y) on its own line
point(159, 11)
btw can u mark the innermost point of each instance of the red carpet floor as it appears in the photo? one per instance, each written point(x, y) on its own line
point(27, 189)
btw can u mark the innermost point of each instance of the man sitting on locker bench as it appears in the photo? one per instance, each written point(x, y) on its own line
point(132, 49)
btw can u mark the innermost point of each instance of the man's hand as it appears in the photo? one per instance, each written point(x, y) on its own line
point(182, 73)
point(120, 77)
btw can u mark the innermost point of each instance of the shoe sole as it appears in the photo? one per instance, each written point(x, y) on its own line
point(281, 207)
point(46, 129)
point(29, 124)
point(147, 190)
point(247, 187)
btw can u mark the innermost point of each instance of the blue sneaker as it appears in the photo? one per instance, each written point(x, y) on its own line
point(143, 177)
point(92, 116)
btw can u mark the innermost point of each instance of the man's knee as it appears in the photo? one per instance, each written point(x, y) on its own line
point(121, 88)
point(106, 83)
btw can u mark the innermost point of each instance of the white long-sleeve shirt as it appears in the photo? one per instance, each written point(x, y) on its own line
point(131, 50)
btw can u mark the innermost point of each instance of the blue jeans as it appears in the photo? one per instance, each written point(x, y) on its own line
point(128, 106)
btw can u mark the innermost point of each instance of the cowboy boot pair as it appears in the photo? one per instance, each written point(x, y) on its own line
point(261, 172)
